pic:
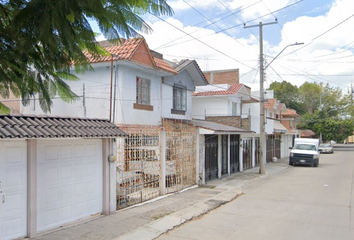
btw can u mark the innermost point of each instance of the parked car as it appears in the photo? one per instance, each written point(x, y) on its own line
point(325, 148)
point(305, 152)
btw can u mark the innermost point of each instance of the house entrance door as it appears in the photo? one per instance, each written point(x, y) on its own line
point(224, 155)
point(234, 153)
point(211, 157)
point(257, 152)
point(247, 153)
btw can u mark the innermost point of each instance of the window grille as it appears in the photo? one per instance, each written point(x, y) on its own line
point(142, 91)
point(179, 98)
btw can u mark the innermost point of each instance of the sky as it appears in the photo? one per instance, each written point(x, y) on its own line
point(213, 33)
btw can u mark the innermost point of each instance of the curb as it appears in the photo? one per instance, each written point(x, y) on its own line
point(156, 228)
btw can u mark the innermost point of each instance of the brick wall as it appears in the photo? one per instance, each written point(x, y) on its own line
point(234, 121)
point(221, 77)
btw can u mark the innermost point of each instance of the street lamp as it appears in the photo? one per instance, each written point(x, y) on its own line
point(262, 120)
point(293, 44)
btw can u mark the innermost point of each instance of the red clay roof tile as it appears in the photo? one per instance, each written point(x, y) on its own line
point(164, 65)
point(125, 51)
point(290, 112)
point(232, 90)
point(270, 103)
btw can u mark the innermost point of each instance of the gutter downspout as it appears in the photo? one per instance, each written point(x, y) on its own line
point(241, 113)
point(110, 92)
point(115, 90)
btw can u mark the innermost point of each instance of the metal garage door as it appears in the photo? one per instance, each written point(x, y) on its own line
point(13, 198)
point(69, 181)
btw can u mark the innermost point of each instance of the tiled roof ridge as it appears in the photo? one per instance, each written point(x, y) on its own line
point(184, 63)
point(164, 65)
point(35, 126)
point(234, 88)
point(50, 116)
point(290, 112)
point(126, 50)
point(270, 103)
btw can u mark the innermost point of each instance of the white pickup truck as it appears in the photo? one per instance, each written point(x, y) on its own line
point(305, 151)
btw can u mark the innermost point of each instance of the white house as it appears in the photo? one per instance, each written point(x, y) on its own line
point(279, 128)
point(148, 98)
point(222, 101)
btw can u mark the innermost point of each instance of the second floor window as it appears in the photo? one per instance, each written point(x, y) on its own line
point(142, 91)
point(179, 98)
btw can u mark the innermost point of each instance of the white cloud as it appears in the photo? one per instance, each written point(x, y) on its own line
point(180, 5)
point(319, 59)
point(255, 9)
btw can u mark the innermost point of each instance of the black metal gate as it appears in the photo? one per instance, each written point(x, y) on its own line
point(234, 153)
point(224, 155)
point(257, 152)
point(277, 146)
point(211, 157)
point(247, 153)
point(270, 147)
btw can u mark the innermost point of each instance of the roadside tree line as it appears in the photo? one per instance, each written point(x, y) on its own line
point(323, 109)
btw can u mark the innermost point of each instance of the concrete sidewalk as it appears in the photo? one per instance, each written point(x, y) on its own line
point(153, 218)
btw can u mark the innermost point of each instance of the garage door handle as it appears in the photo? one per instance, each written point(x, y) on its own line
point(3, 198)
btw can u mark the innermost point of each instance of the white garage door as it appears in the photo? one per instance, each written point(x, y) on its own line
point(69, 181)
point(13, 198)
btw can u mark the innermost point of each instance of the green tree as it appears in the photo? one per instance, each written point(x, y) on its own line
point(309, 96)
point(287, 93)
point(348, 106)
point(331, 128)
point(317, 96)
point(41, 40)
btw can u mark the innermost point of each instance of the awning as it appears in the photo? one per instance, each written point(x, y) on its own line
point(279, 128)
point(217, 128)
point(43, 126)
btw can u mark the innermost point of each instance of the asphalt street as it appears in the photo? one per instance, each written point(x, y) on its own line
point(301, 203)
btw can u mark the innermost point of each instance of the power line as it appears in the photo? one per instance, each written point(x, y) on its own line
point(333, 27)
point(320, 35)
point(203, 42)
point(232, 13)
point(223, 30)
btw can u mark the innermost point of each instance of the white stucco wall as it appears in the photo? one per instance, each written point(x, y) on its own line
point(214, 106)
point(167, 103)
point(205, 106)
point(286, 142)
point(97, 87)
point(97, 96)
point(126, 97)
point(252, 109)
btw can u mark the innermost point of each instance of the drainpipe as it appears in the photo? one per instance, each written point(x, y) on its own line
point(115, 90)
point(241, 112)
point(110, 92)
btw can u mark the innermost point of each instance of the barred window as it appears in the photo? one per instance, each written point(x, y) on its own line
point(142, 91)
point(179, 98)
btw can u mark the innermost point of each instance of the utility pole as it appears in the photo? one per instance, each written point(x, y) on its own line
point(261, 96)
